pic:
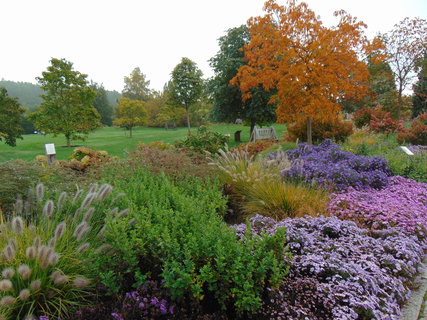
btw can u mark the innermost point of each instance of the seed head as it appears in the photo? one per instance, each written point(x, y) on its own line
point(113, 211)
point(132, 222)
point(17, 225)
point(41, 252)
point(53, 259)
point(59, 231)
point(119, 196)
point(8, 273)
point(89, 213)
point(8, 252)
point(104, 247)
point(5, 285)
point(104, 192)
point(19, 206)
point(83, 247)
point(81, 282)
point(77, 195)
point(40, 192)
point(83, 233)
point(7, 301)
point(12, 243)
point(35, 285)
point(79, 228)
point(93, 187)
point(24, 271)
point(52, 242)
point(30, 252)
point(88, 200)
point(61, 280)
point(54, 275)
point(123, 213)
point(48, 208)
point(61, 200)
point(24, 294)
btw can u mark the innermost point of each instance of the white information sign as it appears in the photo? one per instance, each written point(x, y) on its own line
point(50, 149)
point(406, 150)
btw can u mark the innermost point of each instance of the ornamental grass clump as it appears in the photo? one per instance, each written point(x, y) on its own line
point(328, 166)
point(402, 204)
point(44, 270)
point(258, 184)
point(342, 271)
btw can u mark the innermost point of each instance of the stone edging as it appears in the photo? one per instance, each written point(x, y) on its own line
point(412, 308)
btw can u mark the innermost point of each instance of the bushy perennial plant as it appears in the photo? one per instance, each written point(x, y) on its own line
point(344, 271)
point(328, 166)
point(403, 204)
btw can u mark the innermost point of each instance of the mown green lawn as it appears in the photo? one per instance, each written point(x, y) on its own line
point(114, 140)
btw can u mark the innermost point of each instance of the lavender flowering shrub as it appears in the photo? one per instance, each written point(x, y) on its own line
point(329, 166)
point(403, 204)
point(342, 271)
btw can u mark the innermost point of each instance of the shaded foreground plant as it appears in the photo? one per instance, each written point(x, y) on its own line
point(47, 250)
point(343, 271)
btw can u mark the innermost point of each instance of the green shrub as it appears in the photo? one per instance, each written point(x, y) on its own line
point(336, 130)
point(202, 140)
point(178, 235)
point(47, 250)
point(413, 167)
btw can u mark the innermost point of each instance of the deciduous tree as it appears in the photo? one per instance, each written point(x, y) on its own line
point(406, 44)
point(186, 86)
point(419, 99)
point(130, 113)
point(136, 86)
point(312, 67)
point(11, 116)
point(67, 102)
point(102, 105)
point(227, 99)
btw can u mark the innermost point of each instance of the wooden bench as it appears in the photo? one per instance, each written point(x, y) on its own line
point(263, 134)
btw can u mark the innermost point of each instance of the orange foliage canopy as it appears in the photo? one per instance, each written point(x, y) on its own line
point(312, 67)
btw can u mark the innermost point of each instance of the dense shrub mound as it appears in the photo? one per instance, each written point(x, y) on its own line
point(175, 233)
point(329, 166)
point(343, 271)
point(403, 203)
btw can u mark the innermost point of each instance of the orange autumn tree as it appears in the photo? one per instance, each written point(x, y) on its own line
point(312, 67)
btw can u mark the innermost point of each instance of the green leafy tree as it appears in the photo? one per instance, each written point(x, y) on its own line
point(130, 113)
point(136, 86)
point(10, 118)
point(102, 105)
point(186, 86)
point(419, 99)
point(227, 99)
point(67, 102)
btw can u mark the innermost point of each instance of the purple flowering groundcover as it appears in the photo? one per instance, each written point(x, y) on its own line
point(403, 204)
point(328, 166)
point(341, 271)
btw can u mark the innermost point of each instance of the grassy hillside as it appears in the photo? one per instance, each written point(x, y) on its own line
point(111, 139)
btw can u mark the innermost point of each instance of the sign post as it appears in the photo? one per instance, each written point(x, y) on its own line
point(50, 153)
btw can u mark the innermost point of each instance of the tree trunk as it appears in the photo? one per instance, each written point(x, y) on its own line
point(399, 100)
point(251, 130)
point(188, 121)
point(130, 132)
point(68, 137)
point(309, 131)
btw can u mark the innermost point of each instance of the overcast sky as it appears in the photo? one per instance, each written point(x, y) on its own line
point(108, 39)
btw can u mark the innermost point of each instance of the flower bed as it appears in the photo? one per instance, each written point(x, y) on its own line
point(329, 166)
point(348, 272)
point(341, 271)
point(403, 203)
